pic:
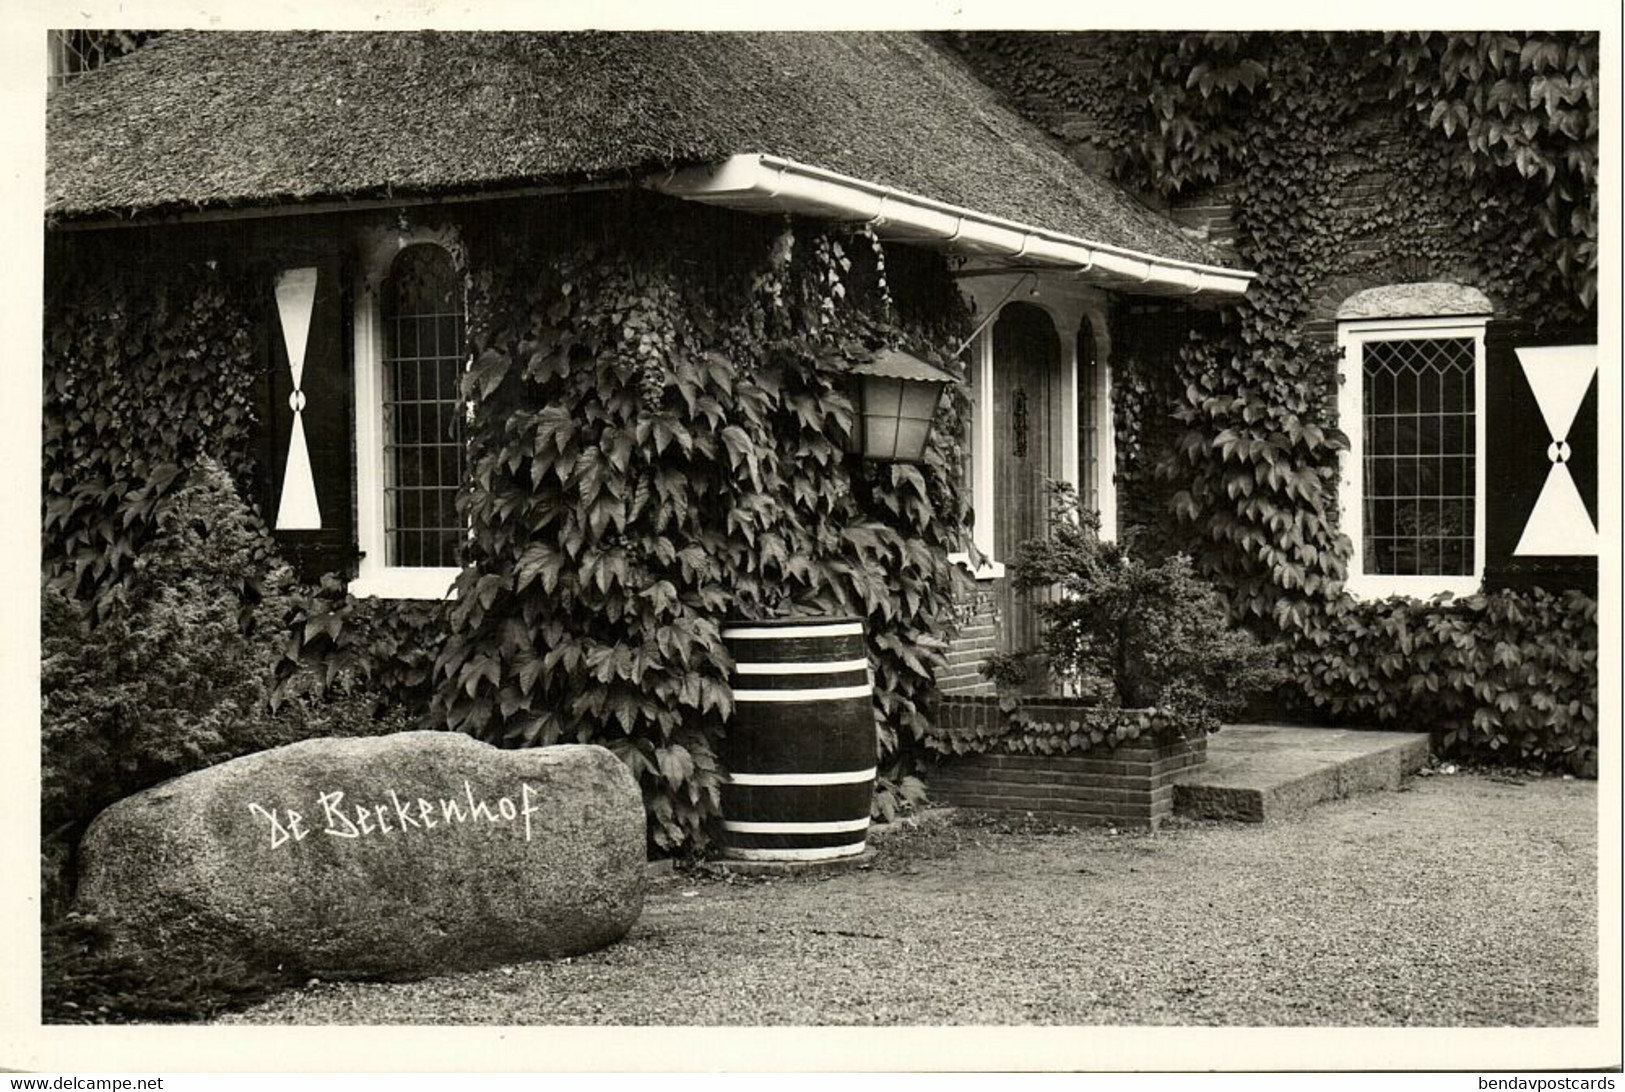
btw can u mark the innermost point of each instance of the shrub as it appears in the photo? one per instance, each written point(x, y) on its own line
point(175, 675)
point(1507, 675)
point(384, 648)
point(1129, 634)
point(168, 672)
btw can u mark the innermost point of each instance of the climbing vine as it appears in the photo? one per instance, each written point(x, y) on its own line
point(1518, 108)
point(658, 406)
point(148, 365)
point(1509, 120)
point(654, 447)
point(1347, 161)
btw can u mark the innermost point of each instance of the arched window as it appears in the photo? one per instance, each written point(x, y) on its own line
point(1089, 420)
point(422, 321)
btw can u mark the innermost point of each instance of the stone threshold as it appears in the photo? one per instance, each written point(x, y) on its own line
point(1257, 772)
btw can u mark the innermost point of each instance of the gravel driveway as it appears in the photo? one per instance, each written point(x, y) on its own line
point(1464, 900)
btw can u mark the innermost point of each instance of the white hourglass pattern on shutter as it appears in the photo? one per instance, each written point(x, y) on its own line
point(297, 509)
point(1559, 525)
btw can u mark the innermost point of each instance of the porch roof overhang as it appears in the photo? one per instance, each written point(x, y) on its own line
point(763, 183)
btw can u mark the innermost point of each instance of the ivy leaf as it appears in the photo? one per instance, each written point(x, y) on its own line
point(661, 595)
point(675, 763)
point(539, 560)
point(589, 474)
point(905, 473)
point(740, 448)
point(530, 670)
point(480, 669)
point(485, 376)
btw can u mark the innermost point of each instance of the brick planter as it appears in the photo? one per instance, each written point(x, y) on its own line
point(1130, 785)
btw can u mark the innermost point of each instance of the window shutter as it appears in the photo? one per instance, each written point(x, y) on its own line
point(1541, 401)
point(309, 459)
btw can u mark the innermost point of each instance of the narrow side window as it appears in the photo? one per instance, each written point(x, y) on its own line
point(421, 313)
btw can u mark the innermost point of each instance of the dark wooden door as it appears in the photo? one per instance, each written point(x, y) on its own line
point(1026, 448)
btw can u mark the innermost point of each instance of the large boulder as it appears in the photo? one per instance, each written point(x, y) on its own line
point(391, 857)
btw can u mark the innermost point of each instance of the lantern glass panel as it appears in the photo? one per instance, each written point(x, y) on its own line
point(920, 399)
point(883, 396)
point(894, 416)
point(879, 437)
point(911, 436)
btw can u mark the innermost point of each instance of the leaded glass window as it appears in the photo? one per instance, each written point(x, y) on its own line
point(1089, 402)
point(1419, 460)
point(423, 327)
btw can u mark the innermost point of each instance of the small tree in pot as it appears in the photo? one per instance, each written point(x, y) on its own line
point(1126, 633)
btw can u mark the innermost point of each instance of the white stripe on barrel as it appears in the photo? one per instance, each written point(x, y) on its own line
point(820, 693)
point(839, 826)
point(762, 633)
point(802, 669)
point(847, 778)
point(823, 853)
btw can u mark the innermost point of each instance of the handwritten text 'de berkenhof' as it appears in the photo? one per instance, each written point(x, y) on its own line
point(339, 819)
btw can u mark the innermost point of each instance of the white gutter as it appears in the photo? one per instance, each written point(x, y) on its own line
point(766, 183)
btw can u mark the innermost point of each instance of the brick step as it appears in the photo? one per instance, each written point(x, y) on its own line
point(1043, 793)
point(1131, 785)
point(1075, 811)
point(1074, 765)
point(1093, 779)
point(1256, 772)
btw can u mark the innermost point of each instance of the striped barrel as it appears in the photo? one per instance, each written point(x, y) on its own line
point(800, 748)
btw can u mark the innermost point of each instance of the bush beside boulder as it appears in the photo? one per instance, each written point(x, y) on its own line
point(172, 670)
point(394, 857)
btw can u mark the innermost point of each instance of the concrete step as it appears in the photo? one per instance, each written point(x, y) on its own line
point(1256, 772)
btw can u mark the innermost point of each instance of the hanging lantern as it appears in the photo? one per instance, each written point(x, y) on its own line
point(896, 397)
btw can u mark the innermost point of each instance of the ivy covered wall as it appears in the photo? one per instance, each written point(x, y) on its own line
point(657, 403)
point(1341, 153)
point(1330, 163)
point(149, 364)
point(658, 407)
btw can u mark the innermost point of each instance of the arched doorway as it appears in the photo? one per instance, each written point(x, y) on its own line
point(1027, 447)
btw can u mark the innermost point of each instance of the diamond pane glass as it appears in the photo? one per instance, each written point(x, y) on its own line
point(423, 319)
point(1420, 462)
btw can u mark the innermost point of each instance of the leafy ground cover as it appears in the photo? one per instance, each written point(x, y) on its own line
point(1465, 900)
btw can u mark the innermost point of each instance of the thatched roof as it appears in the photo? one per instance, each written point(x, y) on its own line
point(242, 120)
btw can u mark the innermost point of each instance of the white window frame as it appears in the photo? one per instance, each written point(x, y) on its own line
point(376, 578)
point(1352, 337)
